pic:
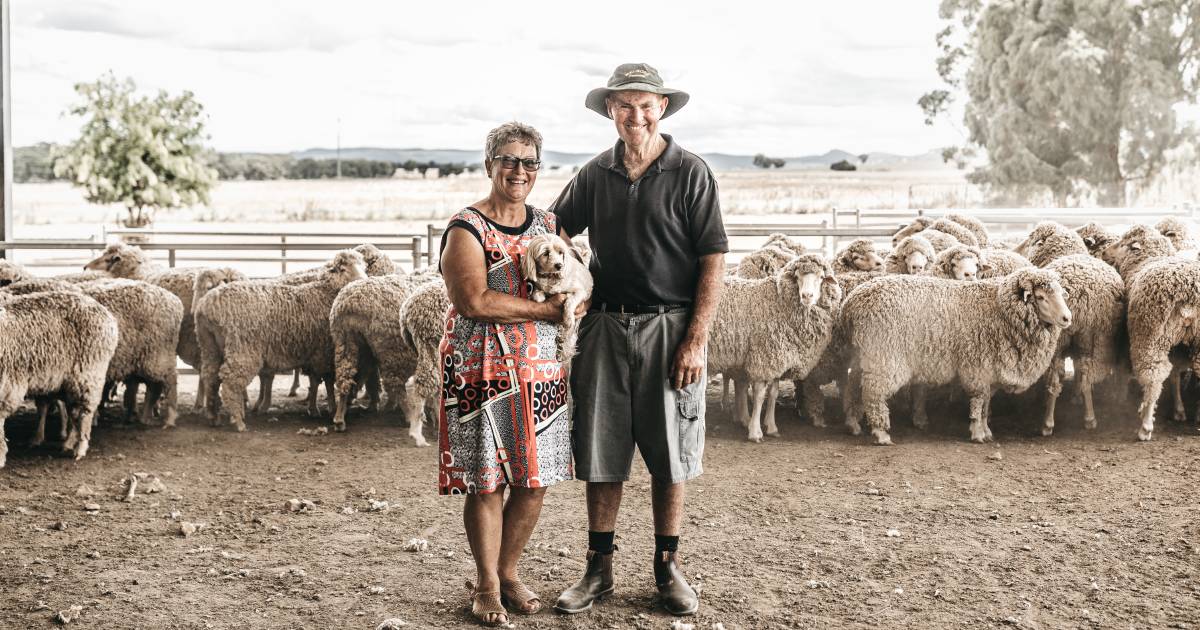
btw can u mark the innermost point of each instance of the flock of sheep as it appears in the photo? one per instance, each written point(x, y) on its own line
point(354, 322)
point(944, 307)
point(948, 308)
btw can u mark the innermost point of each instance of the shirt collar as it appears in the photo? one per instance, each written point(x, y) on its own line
point(671, 158)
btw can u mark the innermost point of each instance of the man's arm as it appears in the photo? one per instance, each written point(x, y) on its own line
point(690, 357)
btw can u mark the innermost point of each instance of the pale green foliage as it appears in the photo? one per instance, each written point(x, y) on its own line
point(144, 152)
point(1075, 98)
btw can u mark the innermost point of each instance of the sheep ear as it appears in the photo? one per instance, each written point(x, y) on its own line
point(1026, 295)
point(984, 266)
point(1090, 241)
point(1136, 246)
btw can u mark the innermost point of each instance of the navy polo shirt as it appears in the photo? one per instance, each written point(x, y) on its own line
point(647, 236)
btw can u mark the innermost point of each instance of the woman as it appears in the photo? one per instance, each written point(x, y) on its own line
point(503, 420)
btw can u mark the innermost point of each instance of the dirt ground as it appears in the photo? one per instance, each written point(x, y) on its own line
point(815, 529)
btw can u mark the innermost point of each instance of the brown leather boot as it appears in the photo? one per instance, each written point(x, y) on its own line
point(676, 595)
point(594, 586)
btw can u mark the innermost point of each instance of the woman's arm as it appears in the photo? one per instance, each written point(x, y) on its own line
point(465, 272)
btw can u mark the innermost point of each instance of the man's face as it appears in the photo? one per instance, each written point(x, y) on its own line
point(636, 115)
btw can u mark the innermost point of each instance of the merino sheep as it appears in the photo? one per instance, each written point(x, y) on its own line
point(423, 316)
point(207, 280)
point(1164, 307)
point(1050, 240)
point(11, 272)
point(1096, 297)
point(952, 225)
point(57, 344)
point(911, 256)
point(997, 263)
point(763, 263)
point(368, 340)
point(1096, 237)
point(246, 328)
point(961, 262)
point(986, 335)
point(783, 241)
point(859, 255)
point(764, 329)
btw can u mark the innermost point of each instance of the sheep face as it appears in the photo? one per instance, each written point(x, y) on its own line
point(1096, 238)
point(1139, 243)
point(861, 256)
point(1044, 291)
point(965, 268)
point(120, 260)
point(10, 273)
point(807, 275)
point(346, 267)
point(917, 226)
point(916, 262)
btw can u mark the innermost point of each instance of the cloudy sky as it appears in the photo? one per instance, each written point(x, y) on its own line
point(781, 78)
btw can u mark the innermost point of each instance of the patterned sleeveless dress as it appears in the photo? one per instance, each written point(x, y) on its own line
point(504, 413)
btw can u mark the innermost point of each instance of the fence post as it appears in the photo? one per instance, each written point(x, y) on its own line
point(825, 238)
point(429, 238)
point(858, 217)
point(837, 240)
point(416, 254)
point(283, 252)
point(171, 257)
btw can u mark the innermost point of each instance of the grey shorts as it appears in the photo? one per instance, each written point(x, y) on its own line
point(620, 382)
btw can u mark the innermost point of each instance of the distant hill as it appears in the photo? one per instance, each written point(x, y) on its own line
point(717, 161)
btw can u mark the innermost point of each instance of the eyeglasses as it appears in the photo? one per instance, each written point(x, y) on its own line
point(509, 162)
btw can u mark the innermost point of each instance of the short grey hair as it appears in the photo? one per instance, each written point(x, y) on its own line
point(511, 132)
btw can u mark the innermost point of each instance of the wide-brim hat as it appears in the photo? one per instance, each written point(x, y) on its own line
point(641, 77)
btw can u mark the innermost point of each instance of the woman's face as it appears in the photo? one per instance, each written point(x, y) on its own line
point(512, 184)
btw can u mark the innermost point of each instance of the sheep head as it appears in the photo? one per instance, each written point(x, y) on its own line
point(11, 272)
point(918, 225)
point(860, 255)
point(120, 260)
point(785, 242)
point(961, 262)
point(810, 276)
point(1095, 237)
point(1036, 297)
point(1177, 231)
point(378, 263)
point(346, 267)
point(1136, 246)
point(211, 278)
point(914, 254)
point(1048, 241)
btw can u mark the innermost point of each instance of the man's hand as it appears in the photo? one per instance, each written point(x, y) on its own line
point(554, 308)
point(688, 364)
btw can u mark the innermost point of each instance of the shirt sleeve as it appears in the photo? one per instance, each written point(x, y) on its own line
point(571, 206)
point(704, 212)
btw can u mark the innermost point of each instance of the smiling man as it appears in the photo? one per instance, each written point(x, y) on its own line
point(658, 243)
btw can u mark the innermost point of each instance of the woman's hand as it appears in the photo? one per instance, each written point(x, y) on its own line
point(583, 307)
point(554, 308)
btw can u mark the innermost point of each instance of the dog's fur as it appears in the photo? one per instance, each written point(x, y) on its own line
point(555, 267)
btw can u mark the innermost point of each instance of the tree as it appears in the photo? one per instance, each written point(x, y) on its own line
point(843, 165)
point(1075, 98)
point(763, 161)
point(144, 152)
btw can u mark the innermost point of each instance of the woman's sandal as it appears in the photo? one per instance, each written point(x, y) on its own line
point(520, 598)
point(489, 604)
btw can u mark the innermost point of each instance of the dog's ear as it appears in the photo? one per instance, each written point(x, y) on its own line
point(529, 260)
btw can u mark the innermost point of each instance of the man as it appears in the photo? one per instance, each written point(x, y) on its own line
point(658, 243)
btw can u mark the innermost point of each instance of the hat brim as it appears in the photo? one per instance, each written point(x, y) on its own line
point(676, 99)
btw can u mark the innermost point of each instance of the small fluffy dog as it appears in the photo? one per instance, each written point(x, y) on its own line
point(555, 267)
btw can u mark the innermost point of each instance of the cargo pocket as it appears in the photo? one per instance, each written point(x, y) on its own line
point(689, 402)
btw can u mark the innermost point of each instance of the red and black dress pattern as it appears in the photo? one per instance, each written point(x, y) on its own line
point(504, 412)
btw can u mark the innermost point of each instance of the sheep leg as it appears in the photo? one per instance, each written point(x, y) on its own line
point(345, 387)
point(374, 389)
point(1054, 387)
point(920, 416)
point(759, 390)
point(85, 399)
point(1084, 373)
point(1151, 390)
point(234, 379)
point(130, 399)
point(741, 404)
point(64, 421)
point(724, 392)
point(153, 393)
point(1175, 383)
point(769, 421)
point(980, 432)
point(266, 383)
point(314, 385)
point(814, 401)
point(873, 392)
point(39, 436)
point(414, 411)
point(295, 383)
point(329, 394)
point(853, 402)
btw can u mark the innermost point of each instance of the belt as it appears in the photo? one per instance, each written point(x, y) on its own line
point(638, 308)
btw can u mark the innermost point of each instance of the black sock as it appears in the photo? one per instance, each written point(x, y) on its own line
point(601, 542)
point(665, 543)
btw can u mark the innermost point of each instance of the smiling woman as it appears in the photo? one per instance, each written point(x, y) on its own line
point(503, 419)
